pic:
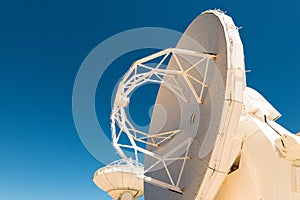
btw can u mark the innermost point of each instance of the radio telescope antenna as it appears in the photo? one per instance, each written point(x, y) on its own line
point(211, 151)
point(121, 181)
point(219, 134)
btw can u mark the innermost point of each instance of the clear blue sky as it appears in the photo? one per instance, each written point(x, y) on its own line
point(42, 45)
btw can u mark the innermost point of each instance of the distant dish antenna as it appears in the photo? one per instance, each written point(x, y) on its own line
point(218, 134)
point(121, 181)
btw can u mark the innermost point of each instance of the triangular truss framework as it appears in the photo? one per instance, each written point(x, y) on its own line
point(141, 73)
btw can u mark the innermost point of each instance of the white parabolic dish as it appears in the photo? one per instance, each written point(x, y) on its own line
point(201, 91)
point(118, 179)
point(212, 150)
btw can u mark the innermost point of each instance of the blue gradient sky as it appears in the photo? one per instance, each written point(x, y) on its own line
point(42, 45)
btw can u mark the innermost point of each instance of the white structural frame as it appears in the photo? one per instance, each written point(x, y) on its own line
point(141, 73)
point(121, 162)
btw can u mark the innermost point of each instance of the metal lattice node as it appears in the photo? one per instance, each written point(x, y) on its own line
point(140, 73)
